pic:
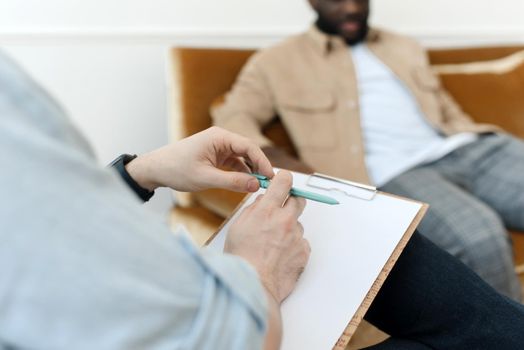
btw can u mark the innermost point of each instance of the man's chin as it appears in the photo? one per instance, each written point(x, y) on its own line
point(355, 38)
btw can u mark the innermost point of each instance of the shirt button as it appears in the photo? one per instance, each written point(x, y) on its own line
point(355, 149)
point(351, 104)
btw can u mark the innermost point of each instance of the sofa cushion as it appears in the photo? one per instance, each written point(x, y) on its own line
point(471, 54)
point(490, 91)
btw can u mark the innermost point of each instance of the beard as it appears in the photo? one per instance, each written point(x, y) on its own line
point(331, 28)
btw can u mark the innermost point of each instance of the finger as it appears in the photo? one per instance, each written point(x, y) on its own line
point(255, 203)
point(241, 146)
point(306, 255)
point(296, 205)
point(300, 229)
point(307, 246)
point(278, 190)
point(307, 251)
point(237, 164)
point(300, 271)
point(232, 181)
point(285, 200)
point(259, 198)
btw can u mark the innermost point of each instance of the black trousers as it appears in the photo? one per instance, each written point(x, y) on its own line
point(433, 301)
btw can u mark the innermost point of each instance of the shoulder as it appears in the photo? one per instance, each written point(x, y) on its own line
point(282, 54)
point(392, 37)
point(290, 44)
point(401, 47)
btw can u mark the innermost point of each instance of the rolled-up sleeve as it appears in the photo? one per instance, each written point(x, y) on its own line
point(232, 302)
point(109, 291)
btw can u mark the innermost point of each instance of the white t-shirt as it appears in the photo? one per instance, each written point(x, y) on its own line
point(397, 136)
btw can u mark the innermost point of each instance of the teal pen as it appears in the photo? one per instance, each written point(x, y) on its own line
point(264, 183)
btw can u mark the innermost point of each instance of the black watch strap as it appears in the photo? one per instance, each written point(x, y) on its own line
point(119, 164)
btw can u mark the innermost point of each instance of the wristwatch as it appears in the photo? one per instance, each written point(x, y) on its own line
point(119, 164)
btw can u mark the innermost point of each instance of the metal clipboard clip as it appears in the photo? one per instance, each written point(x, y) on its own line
point(348, 188)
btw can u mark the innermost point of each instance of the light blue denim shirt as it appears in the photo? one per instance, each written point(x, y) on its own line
point(83, 266)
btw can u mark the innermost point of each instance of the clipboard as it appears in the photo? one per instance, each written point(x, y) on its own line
point(372, 256)
point(346, 187)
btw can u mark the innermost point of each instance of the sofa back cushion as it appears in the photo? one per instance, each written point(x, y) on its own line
point(490, 90)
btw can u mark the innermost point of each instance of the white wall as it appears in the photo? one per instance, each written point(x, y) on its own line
point(454, 22)
point(168, 20)
point(105, 59)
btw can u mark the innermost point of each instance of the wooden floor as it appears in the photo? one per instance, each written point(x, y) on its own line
point(202, 224)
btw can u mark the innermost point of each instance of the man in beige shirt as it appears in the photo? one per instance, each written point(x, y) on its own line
point(363, 104)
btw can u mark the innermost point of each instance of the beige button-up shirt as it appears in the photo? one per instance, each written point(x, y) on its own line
point(310, 82)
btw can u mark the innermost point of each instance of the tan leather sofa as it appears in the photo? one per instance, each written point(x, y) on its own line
point(487, 82)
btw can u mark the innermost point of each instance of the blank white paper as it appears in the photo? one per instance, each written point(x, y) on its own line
point(350, 243)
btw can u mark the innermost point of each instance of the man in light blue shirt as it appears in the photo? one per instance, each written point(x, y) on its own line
point(83, 266)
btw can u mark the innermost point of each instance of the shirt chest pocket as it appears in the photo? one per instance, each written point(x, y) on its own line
point(310, 119)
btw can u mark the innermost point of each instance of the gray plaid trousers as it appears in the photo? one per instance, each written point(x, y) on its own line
point(475, 193)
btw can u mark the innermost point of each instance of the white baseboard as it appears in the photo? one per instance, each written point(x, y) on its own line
point(238, 37)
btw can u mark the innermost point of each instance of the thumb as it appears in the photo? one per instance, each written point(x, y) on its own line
point(233, 181)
